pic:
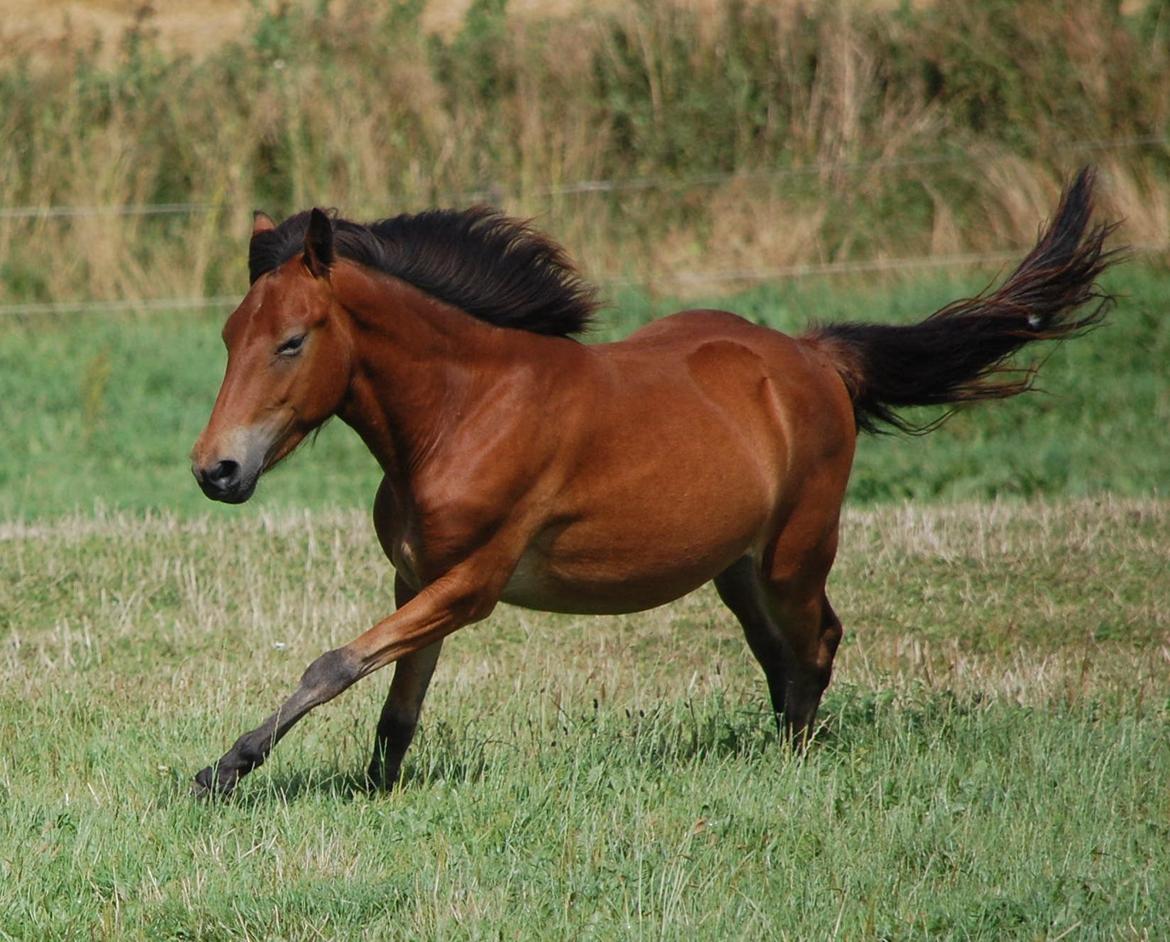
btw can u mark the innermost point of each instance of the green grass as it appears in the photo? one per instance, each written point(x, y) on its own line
point(993, 764)
point(102, 412)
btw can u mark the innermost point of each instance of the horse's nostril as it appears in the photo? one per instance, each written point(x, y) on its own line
point(223, 474)
point(224, 481)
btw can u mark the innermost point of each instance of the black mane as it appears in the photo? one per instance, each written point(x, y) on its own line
point(493, 267)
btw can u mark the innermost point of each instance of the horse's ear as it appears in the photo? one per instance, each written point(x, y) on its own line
point(319, 244)
point(261, 222)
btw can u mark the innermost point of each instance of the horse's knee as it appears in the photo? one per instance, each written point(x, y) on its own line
point(330, 674)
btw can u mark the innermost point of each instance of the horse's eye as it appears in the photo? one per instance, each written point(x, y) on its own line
point(291, 347)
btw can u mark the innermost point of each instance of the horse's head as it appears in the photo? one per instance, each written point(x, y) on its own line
point(289, 365)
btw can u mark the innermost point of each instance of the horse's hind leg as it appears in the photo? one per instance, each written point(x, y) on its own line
point(741, 591)
point(789, 624)
point(399, 719)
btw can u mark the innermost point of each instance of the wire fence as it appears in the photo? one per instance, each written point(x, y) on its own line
point(116, 306)
point(126, 209)
point(501, 193)
point(680, 279)
point(583, 187)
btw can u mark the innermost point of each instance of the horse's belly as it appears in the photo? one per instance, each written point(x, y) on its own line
point(543, 593)
point(621, 576)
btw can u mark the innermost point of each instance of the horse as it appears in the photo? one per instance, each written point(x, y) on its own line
point(522, 465)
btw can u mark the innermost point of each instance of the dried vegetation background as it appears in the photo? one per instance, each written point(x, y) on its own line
point(680, 144)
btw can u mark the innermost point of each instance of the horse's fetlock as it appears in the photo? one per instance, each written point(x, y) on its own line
point(245, 755)
point(396, 728)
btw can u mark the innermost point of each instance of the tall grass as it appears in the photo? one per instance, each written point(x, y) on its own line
point(768, 117)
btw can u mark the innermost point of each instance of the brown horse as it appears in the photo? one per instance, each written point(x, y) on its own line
point(523, 466)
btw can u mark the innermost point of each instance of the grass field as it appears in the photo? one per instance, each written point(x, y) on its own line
point(993, 765)
point(996, 743)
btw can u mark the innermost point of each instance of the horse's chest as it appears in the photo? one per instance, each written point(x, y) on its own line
point(421, 554)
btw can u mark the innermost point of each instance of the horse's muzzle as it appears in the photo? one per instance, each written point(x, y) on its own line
point(225, 481)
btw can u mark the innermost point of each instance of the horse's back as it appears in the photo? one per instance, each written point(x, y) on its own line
point(697, 322)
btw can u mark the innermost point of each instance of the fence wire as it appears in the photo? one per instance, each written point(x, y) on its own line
point(680, 279)
point(500, 193)
point(583, 187)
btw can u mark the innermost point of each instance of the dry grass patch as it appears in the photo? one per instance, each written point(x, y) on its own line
point(1034, 602)
point(991, 765)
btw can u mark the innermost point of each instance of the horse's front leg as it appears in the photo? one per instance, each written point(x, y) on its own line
point(465, 594)
point(399, 719)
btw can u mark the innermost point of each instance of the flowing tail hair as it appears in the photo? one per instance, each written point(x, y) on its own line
point(959, 353)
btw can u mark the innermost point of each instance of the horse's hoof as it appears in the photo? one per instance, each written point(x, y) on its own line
point(380, 780)
point(208, 785)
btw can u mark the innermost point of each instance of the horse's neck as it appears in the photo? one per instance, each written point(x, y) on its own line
point(416, 361)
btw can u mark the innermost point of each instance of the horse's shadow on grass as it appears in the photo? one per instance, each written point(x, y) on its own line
point(449, 759)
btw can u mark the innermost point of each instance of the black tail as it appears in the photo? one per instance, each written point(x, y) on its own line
point(958, 354)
